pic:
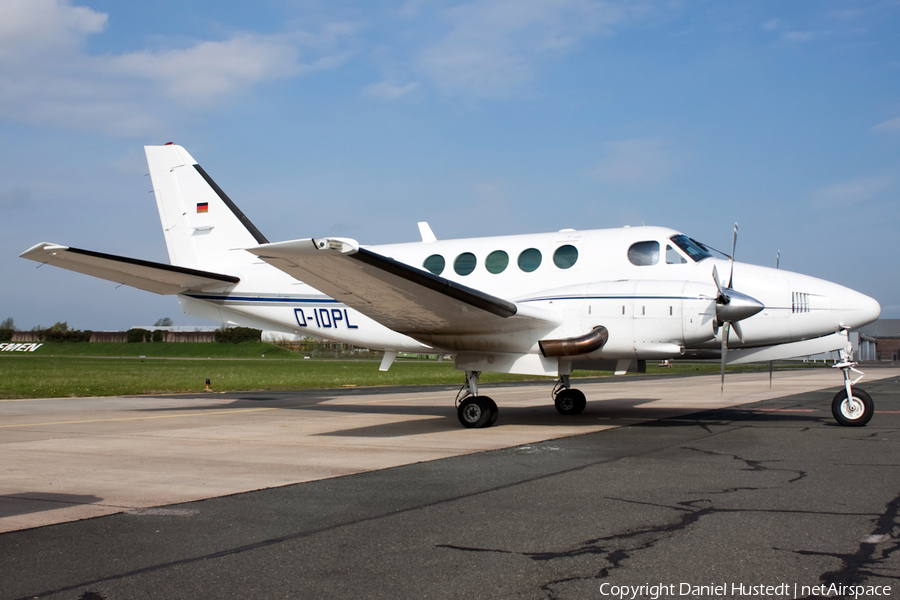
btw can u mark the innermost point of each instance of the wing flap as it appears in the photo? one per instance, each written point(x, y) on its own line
point(145, 275)
point(397, 295)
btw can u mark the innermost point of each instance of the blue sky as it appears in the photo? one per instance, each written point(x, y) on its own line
point(483, 117)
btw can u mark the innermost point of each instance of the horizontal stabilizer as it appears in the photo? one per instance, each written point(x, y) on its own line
point(142, 274)
point(397, 295)
point(829, 343)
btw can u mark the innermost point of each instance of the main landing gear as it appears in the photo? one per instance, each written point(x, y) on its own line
point(475, 411)
point(567, 399)
point(851, 408)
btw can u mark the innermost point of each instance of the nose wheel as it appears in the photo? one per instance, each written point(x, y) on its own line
point(854, 410)
point(851, 407)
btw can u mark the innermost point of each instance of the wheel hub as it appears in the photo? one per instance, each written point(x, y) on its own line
point(472, 413)
point(852, 408)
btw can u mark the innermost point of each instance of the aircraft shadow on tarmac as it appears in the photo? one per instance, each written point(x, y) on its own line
point(612, 412)
point(25, 503)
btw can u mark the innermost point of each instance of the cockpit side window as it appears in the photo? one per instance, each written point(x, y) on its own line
point(695, 250)
point(644, 254)
point(673, 257)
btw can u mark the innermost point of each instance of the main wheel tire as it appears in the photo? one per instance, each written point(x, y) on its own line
point(495, 412)
point(854, 412)
point(570, 402)
point(476, 411)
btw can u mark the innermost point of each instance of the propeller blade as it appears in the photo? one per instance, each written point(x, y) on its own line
point(715, 274)
point(733, 248)
point(778, 259)
point(724, 353)
point(737, 330)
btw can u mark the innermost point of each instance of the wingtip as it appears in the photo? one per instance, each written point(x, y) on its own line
point(41, 248)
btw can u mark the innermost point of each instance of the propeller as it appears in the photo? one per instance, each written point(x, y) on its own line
point(732, 306)
point(733, 248)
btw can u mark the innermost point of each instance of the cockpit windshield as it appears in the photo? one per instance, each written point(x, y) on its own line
point(695, 250)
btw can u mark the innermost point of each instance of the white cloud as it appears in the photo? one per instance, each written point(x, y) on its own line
point(209, 69)
point(493, 45)
point(47, 78)
point(890, 125)
point(44, 27)
point(851, 192)
point(636, 162)
point(388, 89)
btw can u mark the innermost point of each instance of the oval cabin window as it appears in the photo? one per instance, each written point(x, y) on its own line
point(435, 263)
point(496, 261)
point(565, 256)
point(530, 260)
point(465, 263)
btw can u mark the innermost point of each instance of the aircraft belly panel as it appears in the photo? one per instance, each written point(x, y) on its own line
point(521, 364)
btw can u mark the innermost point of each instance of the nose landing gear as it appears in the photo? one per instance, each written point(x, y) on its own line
point(851, 408)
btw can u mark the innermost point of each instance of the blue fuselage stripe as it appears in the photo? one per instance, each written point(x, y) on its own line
point(615, 298)
point(323, 300)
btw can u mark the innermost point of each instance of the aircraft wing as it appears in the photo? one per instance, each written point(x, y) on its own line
point(401, 297)
point(145, 275)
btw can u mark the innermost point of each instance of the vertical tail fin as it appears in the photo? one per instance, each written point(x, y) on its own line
point(202, 226)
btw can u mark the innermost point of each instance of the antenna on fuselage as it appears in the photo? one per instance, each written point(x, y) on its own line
point(426, 233)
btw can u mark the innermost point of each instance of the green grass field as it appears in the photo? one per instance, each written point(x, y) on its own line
point(162, 350)
point(103, 369)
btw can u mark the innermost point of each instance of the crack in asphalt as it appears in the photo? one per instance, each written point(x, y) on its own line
point(648, 537)
point(753, 465)
point(859, 565)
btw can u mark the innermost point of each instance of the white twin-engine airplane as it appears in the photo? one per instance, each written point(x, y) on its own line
point(541, 304)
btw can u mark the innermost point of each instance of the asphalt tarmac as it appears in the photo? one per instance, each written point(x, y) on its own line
point(769, 494)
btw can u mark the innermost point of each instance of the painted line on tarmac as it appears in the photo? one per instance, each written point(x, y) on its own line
point(783, 410)
point(203, 414)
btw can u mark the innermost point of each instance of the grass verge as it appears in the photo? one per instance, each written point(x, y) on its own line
point(101, 369)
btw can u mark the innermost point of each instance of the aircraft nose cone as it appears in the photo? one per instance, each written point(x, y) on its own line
point(740, 306)
point(860, 309)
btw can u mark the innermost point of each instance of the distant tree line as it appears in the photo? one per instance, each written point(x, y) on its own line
point(233, 335)
point(7, 328)
point(61, 332)
point(236, 335)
